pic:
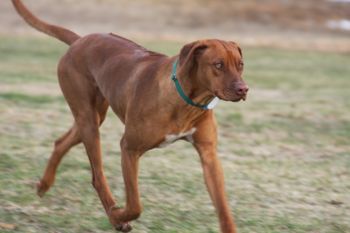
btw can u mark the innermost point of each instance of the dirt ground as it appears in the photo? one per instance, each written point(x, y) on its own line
point(277, 23)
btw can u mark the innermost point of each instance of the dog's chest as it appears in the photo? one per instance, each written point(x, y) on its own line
point(170, 138)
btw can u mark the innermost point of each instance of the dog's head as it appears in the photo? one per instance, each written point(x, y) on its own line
point(216, 66)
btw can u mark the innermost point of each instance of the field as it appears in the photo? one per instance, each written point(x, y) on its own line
point(285, 151)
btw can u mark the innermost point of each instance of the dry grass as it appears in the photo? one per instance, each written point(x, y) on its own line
point(285, 151)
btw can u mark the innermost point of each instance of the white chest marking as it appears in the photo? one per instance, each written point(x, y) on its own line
point(170, 138)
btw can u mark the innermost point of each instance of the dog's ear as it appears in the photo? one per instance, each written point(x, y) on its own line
point(240, 51)
point(189, 55)
point(237, 46)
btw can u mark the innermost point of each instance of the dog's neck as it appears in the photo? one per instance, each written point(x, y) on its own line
point(194, 90)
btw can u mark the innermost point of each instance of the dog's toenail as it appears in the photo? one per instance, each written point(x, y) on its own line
point(123, 227)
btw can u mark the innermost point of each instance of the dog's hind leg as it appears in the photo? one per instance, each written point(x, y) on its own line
point(89, 108)
point(133, 208)
point(88, 125)
point(62, 146)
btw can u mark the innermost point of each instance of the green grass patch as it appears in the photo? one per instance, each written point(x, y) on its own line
point(18, 98)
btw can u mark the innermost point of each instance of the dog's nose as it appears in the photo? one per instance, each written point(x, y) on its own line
point(242, 89)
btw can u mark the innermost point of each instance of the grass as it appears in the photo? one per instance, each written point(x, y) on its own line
point(285, 152)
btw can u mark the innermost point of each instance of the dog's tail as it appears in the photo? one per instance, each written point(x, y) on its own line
point(60, 33)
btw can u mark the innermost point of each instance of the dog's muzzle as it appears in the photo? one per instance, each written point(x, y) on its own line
point(235, 92)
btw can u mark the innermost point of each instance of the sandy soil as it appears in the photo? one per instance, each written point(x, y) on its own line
point(280, 23)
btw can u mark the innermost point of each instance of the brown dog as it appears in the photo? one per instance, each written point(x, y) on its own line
point(158, 100)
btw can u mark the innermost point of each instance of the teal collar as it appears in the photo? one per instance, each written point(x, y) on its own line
point(187, 99)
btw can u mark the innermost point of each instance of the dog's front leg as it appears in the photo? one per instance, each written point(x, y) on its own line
point(205, 140)
point(132, 209)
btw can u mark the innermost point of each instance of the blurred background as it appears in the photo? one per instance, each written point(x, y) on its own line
point(315, 24)
point(285, 151)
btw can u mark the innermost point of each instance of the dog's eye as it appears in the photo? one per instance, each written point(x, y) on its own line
point(219, 65)
point(241, 64)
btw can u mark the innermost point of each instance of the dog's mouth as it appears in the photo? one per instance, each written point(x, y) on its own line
point(230, 96)
point(240, 98)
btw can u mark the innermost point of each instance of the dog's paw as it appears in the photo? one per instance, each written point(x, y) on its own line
point(123, 227)
point(114, 212)
point(41, 188)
